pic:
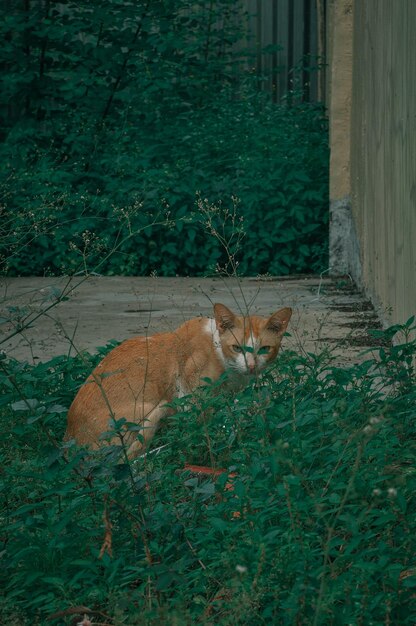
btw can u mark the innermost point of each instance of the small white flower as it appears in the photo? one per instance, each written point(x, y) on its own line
point(392, 492)
point(376, 492)
point(241, 569)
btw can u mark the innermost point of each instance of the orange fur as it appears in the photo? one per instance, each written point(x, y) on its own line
point(139, 377)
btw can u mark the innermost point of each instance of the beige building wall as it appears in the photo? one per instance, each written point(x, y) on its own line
point(373, 166)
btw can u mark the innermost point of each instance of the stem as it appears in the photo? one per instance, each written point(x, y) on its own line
point(331, 531)
point(208, 41)
point(100, 32)
point(44, 45)
point(124, 65)
point(26, 8)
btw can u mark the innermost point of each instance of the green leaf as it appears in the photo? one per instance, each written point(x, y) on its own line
point(56, 408)
point(25, 405)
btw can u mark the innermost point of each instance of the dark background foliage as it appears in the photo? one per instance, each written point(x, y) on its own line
point(116, 114)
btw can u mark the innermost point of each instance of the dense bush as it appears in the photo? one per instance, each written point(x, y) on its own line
point(311, 522)
point(117, 114)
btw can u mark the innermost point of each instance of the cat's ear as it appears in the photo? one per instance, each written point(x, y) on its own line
point(224, 318)
point(278, 321)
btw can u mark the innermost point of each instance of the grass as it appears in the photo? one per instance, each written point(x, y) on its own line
point(311, 521)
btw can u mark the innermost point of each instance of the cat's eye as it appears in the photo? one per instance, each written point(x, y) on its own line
point(264, 350)
point(237, 348)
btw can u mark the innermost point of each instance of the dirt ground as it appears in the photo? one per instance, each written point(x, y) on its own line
point(70, 315)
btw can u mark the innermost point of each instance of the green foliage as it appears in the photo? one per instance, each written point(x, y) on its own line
point(312, 521)
point(116, 114)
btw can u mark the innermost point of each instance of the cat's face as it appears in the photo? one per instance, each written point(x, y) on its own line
point(249, 344)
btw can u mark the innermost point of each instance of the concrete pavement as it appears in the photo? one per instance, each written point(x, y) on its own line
point(328, 312)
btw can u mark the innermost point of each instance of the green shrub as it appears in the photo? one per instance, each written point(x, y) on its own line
point(312, 522)
point(130, 111)
point(273, 158)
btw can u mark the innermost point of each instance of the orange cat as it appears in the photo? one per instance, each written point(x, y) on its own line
point(139, 377)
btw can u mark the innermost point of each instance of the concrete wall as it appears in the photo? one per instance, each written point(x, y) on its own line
point(373, 149)
point(343, 243)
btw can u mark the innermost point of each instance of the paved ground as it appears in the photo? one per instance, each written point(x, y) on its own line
point(328, 313)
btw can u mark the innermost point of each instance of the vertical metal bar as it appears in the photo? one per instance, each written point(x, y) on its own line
point(290, 43)
point(274, 56)
point(306, 49)
point(259, 42)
